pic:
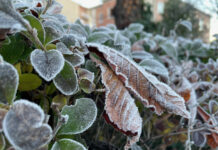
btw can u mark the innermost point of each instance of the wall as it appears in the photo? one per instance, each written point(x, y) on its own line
point(70, 9)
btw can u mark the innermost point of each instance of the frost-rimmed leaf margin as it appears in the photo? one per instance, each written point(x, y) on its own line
point(34, 57)
point(67, 67)
point(74, 106)
point(3, 63)
point(56, 146)
point(36, 125)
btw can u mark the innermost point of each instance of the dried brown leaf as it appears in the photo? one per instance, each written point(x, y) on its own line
point(120, 108)
point(213, 138)
point(144, 86)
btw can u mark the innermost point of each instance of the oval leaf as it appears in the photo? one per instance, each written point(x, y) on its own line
point(29, 82)
point(8, 82)
point(81, 116)
point(47, 64)
point(66, 80)
point(67, 144)
point(24, 128)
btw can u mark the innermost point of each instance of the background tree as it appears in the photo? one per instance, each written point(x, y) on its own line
point(176, 10)
point(127, 11)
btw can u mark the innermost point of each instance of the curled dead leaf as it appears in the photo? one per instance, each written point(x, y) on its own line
point(120, 108)
point(144, 86)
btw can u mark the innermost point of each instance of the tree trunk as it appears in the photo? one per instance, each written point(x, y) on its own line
point(127, 11)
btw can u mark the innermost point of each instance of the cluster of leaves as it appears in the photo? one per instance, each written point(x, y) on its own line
point(47, 64)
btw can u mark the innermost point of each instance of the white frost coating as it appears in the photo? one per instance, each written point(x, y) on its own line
point(83, 114)
point(154, 66)
point(26, 125)
point(67, 83)
point(47, 64)
point(63, 48)
point(86, 74)
point(75, 59)
point(56, 146)
point(161, 87)
point(9, 80)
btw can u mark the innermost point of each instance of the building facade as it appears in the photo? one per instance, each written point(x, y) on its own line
point(100, 14)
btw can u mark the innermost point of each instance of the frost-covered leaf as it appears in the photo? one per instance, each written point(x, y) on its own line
point(66, 80)
point(135, 28)
point(8, 82)
point(70, 40)
point(24, 128)
point(86, 85)
point(119, 39)
point(85, 74)
point(3, 112)
point(98, 37)
point(51, 35)
point(9, 18)
point(213, 142)
point(67, 144)
point(78, 30)
point(186, 24)
point(154, 66)
point(86, 79)
point(213, 107)
point(13, 51)
point(75, 59)
point(8, 22)
point(35, 23)
point(140, 55)
point(81, 116)
point(199, 139)
point(47, 64)
point(63, 48)
point(144, 86)
point(170, 49)
point(120, 108)
point(28, 82)
point(55, 8)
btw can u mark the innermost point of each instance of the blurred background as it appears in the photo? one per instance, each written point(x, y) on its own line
point(158, 16)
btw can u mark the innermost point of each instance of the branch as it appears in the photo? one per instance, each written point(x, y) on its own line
point(47, 6)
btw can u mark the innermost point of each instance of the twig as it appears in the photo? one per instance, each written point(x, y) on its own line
point(61, 120)
point(180, 132)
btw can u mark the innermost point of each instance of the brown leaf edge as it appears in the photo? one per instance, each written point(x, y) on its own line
point(149, 90)
point(212, 140)
point(120, 109)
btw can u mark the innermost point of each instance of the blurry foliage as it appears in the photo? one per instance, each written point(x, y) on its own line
point(51, 88)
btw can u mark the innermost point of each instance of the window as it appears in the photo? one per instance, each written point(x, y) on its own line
point(101, 18)
point(109, 13)
point(201, 25)
point(160, 7)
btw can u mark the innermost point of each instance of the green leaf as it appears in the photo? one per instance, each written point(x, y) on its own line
point(98, 37)
point(35, 23)
point(66, 80)
point(60, 100)
point(170, 49)
point(186, 24)
point(29, 82)
point(87, 86)
point(8, 82)
point(154, 66)
point(67, 144)
point(13, 51)
point(81, 116)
